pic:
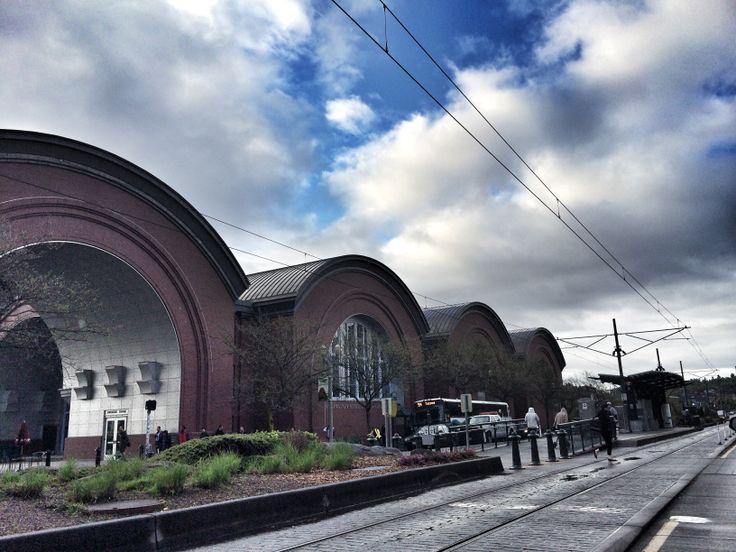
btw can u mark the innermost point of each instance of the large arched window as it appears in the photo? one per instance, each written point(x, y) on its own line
point(359, 367)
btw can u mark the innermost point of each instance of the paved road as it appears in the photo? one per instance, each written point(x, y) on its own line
point(578, 504)
point(703, 517)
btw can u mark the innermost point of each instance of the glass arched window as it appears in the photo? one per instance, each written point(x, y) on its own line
point(359, 369)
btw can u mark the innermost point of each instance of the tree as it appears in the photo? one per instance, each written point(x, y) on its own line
point(366, 373)
point(31, 292)
point(462, 367)
point(543, 386)
point(278, 359)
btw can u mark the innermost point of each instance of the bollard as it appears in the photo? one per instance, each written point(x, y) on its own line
point(562, 440)
point(551, 456)
point(515, 456)
point(535, 450)
point(48, 458)
point(98, 456)
point(437, 442)
point(418, 444)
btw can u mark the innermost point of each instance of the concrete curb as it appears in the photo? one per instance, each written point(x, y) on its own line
point(177, 529)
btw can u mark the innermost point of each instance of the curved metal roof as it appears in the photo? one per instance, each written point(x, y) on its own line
point(522, 340)
point(20, 146)
point(289, 285)
point(443, 320)
point(280, 283)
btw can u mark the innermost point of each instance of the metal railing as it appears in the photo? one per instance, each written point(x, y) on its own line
point(581, 437)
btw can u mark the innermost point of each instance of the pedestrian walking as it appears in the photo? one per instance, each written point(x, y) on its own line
point(123, 441)
point(183, 434)
point(614, 414)
point(219, 430)
point(560, 418)
point(204, 433)
point(604, 424)
point(532, 421)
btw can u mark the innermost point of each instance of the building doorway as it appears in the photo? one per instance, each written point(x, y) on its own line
point(114, 421)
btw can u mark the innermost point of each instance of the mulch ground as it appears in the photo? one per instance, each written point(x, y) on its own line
point(52, 510)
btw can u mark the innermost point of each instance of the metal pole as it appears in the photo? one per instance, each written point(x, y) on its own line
point(330, 417)
point(684, 387)
point(618, 352)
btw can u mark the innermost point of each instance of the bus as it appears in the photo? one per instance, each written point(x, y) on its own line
point(447, 411)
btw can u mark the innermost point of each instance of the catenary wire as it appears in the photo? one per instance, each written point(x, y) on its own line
point(536, 196)
point(559, 201)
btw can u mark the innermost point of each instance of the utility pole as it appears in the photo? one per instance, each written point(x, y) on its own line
point(684, 387)
point(625, 390)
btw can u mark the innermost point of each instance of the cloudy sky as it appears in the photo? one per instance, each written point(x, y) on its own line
point(285, 119)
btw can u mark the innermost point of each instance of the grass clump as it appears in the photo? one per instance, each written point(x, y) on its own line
point(68, 472)
point(30, 484)
point(169, 480)
point(338, 457)
point(124, 469)
point(217, 470)
point(101, 485)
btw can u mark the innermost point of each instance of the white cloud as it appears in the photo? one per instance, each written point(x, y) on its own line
point(621, 134)
point(350, 115)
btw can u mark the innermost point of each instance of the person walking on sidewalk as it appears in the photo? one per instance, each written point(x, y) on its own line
point(606, 427)
point(532, 421)
point(560, 418)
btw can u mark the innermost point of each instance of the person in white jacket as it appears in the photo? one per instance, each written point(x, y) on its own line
point(532, 421)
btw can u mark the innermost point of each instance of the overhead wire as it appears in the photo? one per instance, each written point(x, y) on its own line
point(624, 270)
point(559, 201)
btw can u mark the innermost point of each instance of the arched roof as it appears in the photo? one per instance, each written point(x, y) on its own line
point(18, 146)
point(288, 286)
point(443, 320)
point(522, 340)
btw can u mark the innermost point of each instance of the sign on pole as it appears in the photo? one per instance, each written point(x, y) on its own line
point(466, 403)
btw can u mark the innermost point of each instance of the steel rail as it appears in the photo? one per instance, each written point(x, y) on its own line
point(486, 492)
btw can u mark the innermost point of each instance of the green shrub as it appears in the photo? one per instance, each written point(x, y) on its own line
point(217, 470)
point(300, 440)
point(168, 480)
point(30, 484)
point(98, 486)
point(338, 457)
point(250, 444)
point(68, 472)
point(424, 458)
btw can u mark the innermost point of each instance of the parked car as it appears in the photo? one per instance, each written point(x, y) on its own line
point(427, 433)
point(493, 425)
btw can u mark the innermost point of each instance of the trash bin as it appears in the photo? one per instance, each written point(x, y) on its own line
point(397, 441)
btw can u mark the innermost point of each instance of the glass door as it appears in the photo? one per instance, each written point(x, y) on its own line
point(112, 425)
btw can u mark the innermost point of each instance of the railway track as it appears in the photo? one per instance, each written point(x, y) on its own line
point(462, 521)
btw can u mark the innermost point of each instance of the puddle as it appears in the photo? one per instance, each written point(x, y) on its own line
point(632, 458)
point(573, 476)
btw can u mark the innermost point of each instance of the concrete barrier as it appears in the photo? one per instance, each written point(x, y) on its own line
point(222, 521)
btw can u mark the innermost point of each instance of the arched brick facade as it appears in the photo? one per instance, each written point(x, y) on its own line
point(539, 349)
point(55, 189)
point(327, 293)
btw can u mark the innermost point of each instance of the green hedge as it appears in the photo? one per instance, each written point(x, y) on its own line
point(249, 444)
